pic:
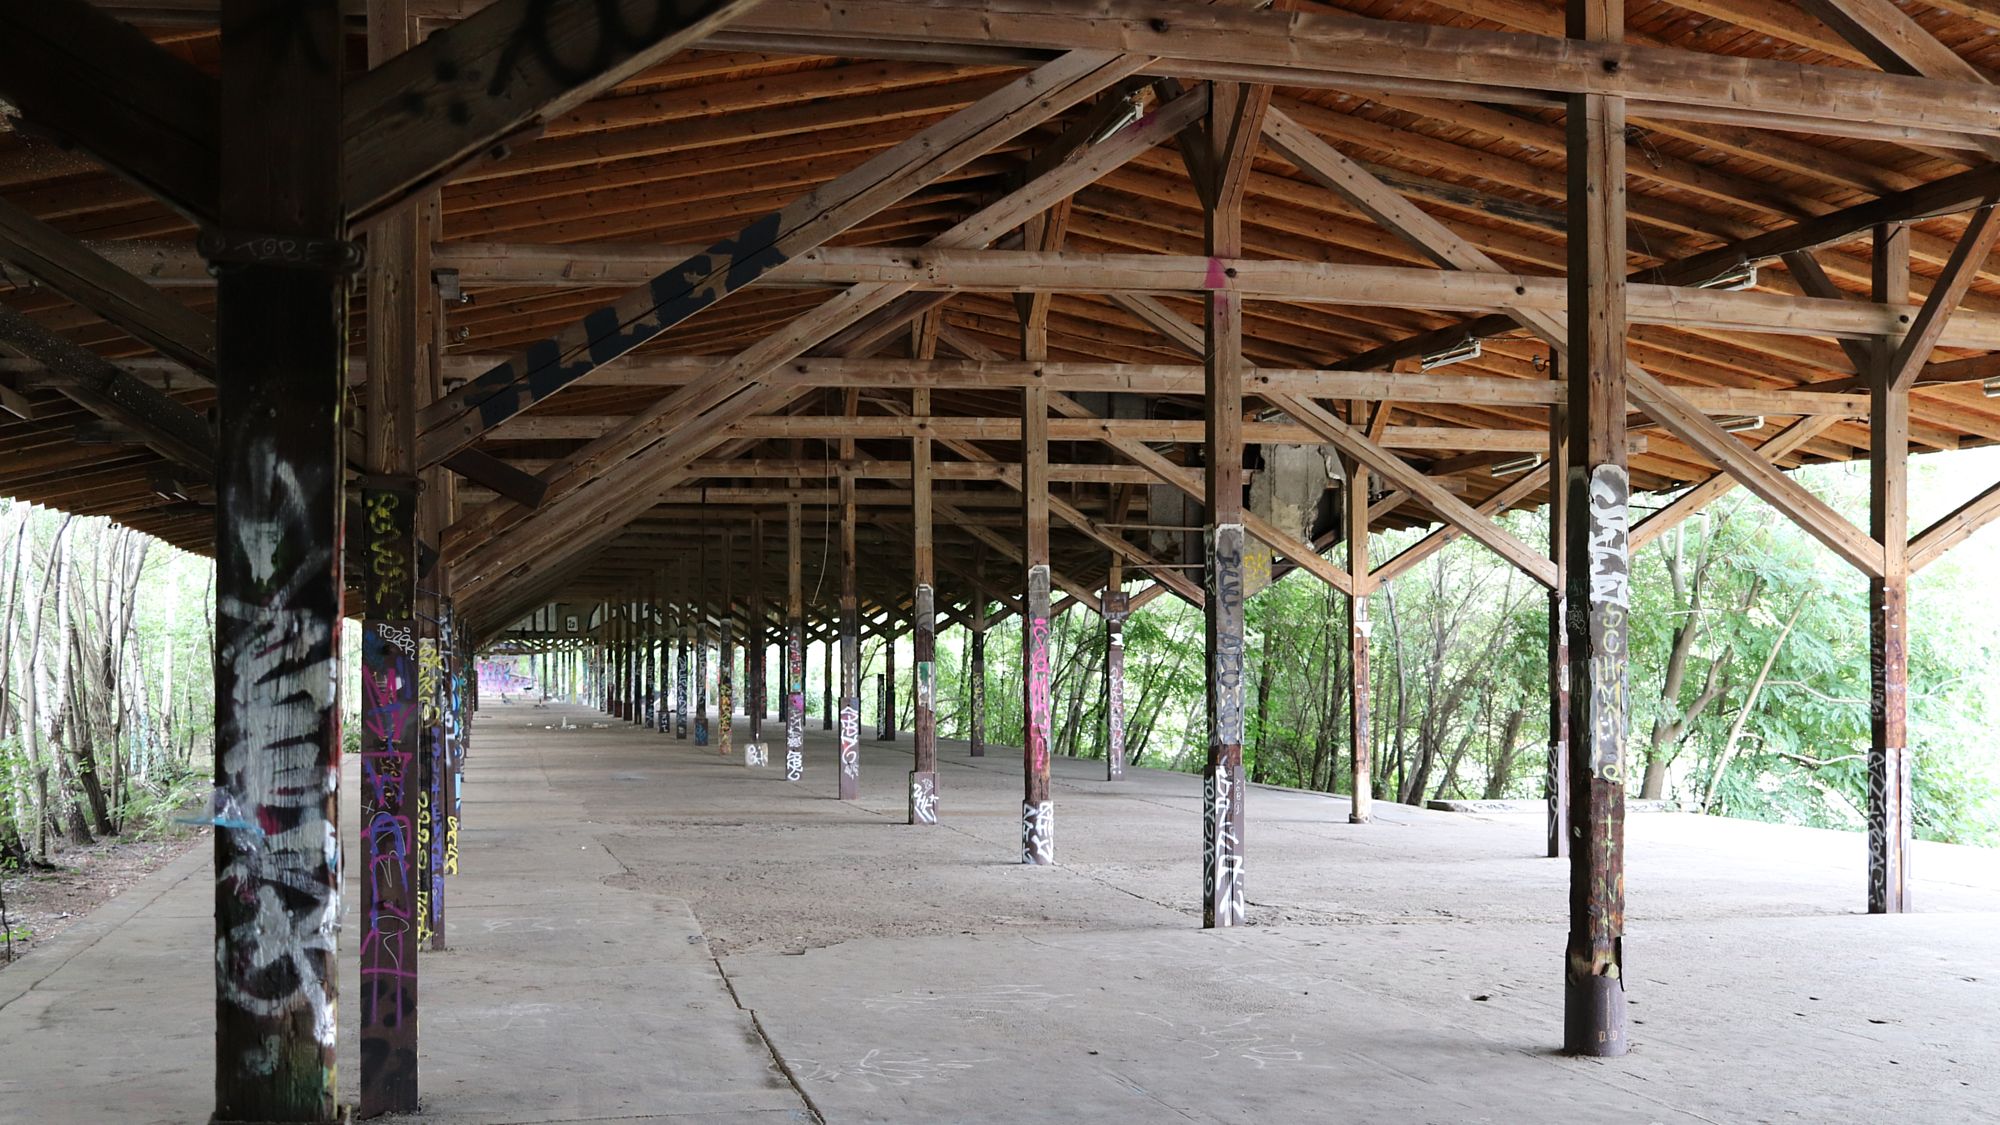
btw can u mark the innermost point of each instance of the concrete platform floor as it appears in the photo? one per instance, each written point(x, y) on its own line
point(645, 931)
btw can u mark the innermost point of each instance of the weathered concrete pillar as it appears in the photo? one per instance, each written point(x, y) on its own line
point(281, 345)
point(1598, 526)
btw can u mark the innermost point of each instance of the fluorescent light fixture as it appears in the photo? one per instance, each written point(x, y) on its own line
point(1515, 467)
point(1465, 349)
point(1740, 276)
point(1991, 387)
point(1740, 425)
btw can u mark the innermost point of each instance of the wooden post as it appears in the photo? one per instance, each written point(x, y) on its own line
point(1359, 629)
point(1235, 111)
point(885, 712)
point(1889, 797)
point(281, 346)
point(389, 708)
point(700, 607)
point(1038, 844)
point(975, 695)
point(850, 624)
point(757, 693)
point(795, 642)
point(1598, 527)
point(923, 774)
point(1556, 783)
point(826, 685)
point(1117, 607)
point(683, 635)
point(725, 662)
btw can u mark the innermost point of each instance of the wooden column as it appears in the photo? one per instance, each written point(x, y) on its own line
point(975, 694)
point(725, 654)
point(1598, 527)
point(885, 728)
point(1556, 782)
point(1889, 798)
point(389, 709)
point(923, 560)
point(826, 682)
point(757, 693)
point(795, 642)
point(1117, 607)
point(1038, 844)
point(684, 637)
point(700, 608)
point(1359, 628)
point(1235, 111)
point(850, 639)
point(281, 347)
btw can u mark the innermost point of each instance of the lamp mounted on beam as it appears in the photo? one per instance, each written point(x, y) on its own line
point(1736, 278)
point(1515, 467)
point(1465, 349)
point(1741, 425)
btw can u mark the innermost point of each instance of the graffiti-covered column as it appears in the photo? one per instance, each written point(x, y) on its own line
point(1555, 783)
point(430, 767)
point(1359, 629)
point(1234, 110)
point(1116, 610)
point(1038, 813)
point(850, 644)
point(444, 795)
point(754, 688)
point(795, 643)
point(885, 727)
point(1599, 586)
point(923, 562)
point(826, 684)
point(1889, 797)
point(684, 638)
point(725, 664)
point(281, 344)
point(975, 691)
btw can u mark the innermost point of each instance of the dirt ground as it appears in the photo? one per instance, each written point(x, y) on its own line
point(42, 904)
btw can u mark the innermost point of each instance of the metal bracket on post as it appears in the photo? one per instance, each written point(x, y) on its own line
point(224, 249)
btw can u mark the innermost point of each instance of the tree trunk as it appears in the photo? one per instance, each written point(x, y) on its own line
point(1503, 761)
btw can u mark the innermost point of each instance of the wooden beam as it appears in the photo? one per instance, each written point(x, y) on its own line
point(94, 383)
point(69, 268)
point(1190, 483)
point(674, 295)
point(655, 441)
point(1968, 258)
point(1891, 803)
point(1401, 474)
point(1662, 404)
point(100, 83)
point(1937, 197)
point(1518, 490)
point(1930, 544)
point(1700, 496)
point(413, 118)
point(1323, 48)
